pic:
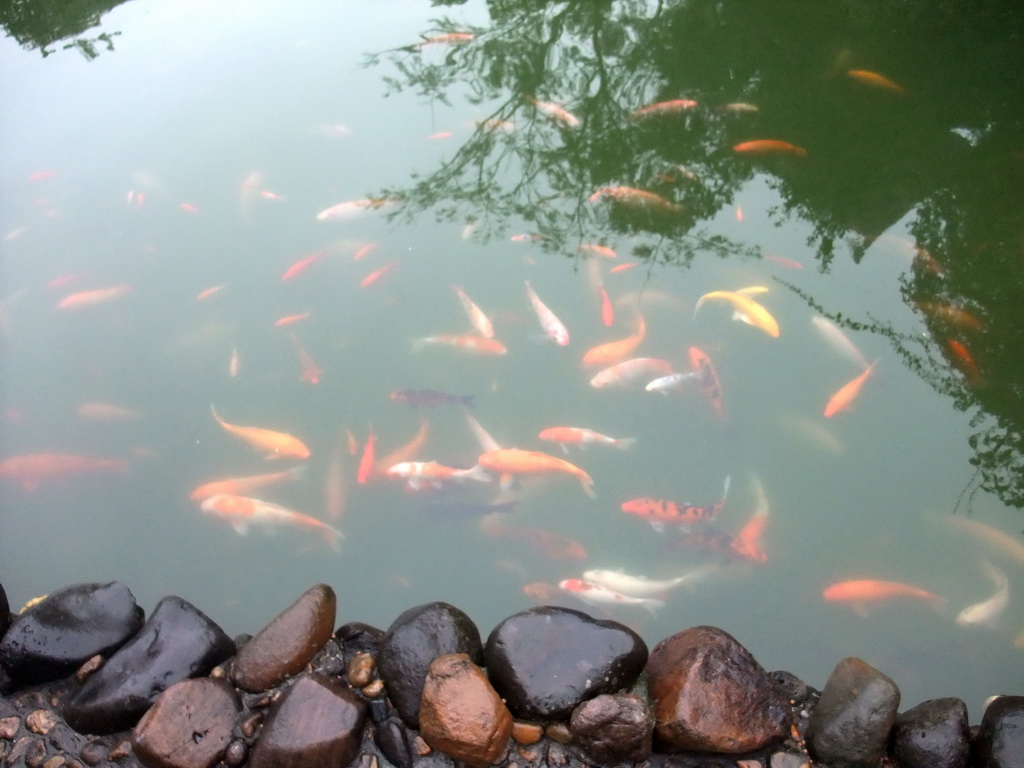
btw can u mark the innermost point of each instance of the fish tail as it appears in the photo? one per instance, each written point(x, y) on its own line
point(626, 443)
point(588, 485)
point(653, 605)
point(725, 489)
point(697, 306)
point(215, 416)
point(333, 537)
point(476, 472)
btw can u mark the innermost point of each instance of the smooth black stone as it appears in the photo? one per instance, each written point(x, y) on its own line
point(999, 742)
point(545, 661)
point(56, 636)
point(356, 637)
point(379, 711)
point(934, 734)
point(5, 612)
point(393, 739)
point(179, 641)
point(416, 638)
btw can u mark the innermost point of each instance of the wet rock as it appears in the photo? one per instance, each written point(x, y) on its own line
point(360, 669)
point(934, 734)
point(374, 689)
point(236, 754)
point(851, 723)
point(57, 635)
point(460, 713)
point(41, 721)
point(317, 722)
point(710, 694)
point(120, 751)
point(5, 612)
point(356, 637)
point(283, 647)
point(9, 727)
point(189, 725)
point(416, 638)
point(789, 760)
point(559, 733)
point(35, 753)
point(93, 752)
point(545, 661)
point(613, 728)
point(394, 741)
point(178, 641)
point(1000, 739)
point(527, 733)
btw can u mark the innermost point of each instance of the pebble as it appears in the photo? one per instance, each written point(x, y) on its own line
point(55, 762)
point(90, 667)
point(41, 721)
point(35, 754)
point(251, 724)
point(360, 669)
point(93, 752)
point(9, 727)
point(559, 732)
point(613, 728)
point(236, 754)
point(527, 733)
point(120, 751)
point(374, 689)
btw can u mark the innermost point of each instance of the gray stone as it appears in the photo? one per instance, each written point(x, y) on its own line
point(1000, 739)
point(613, 728)
point(934, 734)
point(850, 725)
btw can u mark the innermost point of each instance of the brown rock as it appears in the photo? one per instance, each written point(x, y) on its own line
point(35, 754)
point(89, 668)
point(93, 752)
point(189, 725)
point(527, 733)
point(461, 714)
point(9, 727)
point(613, 728)
point(360, 669)
point(41, 721)
point(55, 762)
point(558, 732)
point(710, 695)
point(283, 647)
point(374, 689)
point(317, 723)
point(120, 751)
point(235, 754)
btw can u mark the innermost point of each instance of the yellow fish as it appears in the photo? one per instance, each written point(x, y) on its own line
point(276, 445)
point(747, 310)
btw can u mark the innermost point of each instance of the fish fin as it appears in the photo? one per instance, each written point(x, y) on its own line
point(476, 472)
point(658, 526)
point(653, 605)
point(698, 304)
point(414, 483)
point(860, 609)
point(240, 527)
point(626, 443)
point(588, 487)
point(507, 481)
point(213, 410)
point(737, 315)
point(333, 537)
point(564, 447)
point(725, 489)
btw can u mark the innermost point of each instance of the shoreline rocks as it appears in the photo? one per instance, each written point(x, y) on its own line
point(552, 688)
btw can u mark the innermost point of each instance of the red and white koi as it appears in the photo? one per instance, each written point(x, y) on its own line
point(598, 595)
point(566, 436)
point(419, 474)
point(553, 327)
point(466, 342)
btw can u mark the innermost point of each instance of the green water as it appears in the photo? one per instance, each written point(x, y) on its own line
point(175, 147)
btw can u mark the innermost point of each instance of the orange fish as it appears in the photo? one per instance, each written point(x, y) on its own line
point(709, 382)
point(964, 361)
point(366, 463)
point(310, 370)
point(448, 38)
point(599, 250)
point(515, 461)
point(636, 198)
point(672, 107)
point(207, 293)
point(275, 445)
point(467, 342)
point(366, 250)
point(377, 274)
point(405, 452)
point(420, 474)
point(582, 437)
point(291, 319)
point(242, 511)
point(556, 112)
point(234, 363)
point(352, 208)
point(335, 487)
point(769, 147)
point(541, 591)
point(105, 412)
point(302, 265)
point(846, 394)
point(30, 470)
point(863, 591)
point(952, 314)
point(353, 445)
point(607, 311)
point(875, 80)
point(662, 512)
point(89, 298)
point(783, 261)
point(629, 372)
point(240, 486)
point(747, 543)
point(623, 267)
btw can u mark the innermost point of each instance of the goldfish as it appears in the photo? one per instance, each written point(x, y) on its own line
point(240, 486)
point(747, 543)
point(556, 112)
point(31, 470)
point(440, 135)
point(404, 452)
point(291, 319)
point(709, 382)
point(624, 267)
point(993, 538)
point(964, 362)
point(467, 342)
point(738, 107)
point(640, 586)
point(629, 371)
point(105, 412)
point(364, 250)
point(598, 595)
point(598, 250)
point(419, 474)
point(275, 445)
point(951, 314)
point(875, 80)
point(862, 591)
point(302, 265)
point(988, 611)
point(746, 309)
point(367, 461)
point(243, 511)
point(844, 397)
point(839, 340)
point(769, 147)
point(477, 318)
point(234, 363)
point(208, 292)
point(90, 298)
point(614, 351)
point(553, 327)
point(377, 274)
point(189, 208)
point(310, 370)
point(448, 38)
point(671, 107)
point(783, 261)
point(607, 311)
point(661, 512)
point(352, 208)
point(428, 398)
point(582, 437)
point(515, 461)
point(637, 199)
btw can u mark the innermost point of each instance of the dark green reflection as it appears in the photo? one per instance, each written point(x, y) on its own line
point(42, 23)
point(940, 140)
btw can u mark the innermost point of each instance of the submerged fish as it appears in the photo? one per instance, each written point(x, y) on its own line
point(662, 512)
point(241, 486)
point(582, 437)
point(30, 470)
point(599, 595)
point(988, 611)
point(861, 591)
point(242, 511)
point(844, 397)
point(628, 372)
point(275, 445)
point(464, 510)
point(769, 147)
point(466, 342)
point(640, 586)
point(554, 329)
point(515, 461)
point(746, 309)
point(429, 398)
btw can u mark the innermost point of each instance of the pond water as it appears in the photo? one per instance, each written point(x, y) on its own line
point(164, 170)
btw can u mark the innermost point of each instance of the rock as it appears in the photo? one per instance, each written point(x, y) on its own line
point(613, 728)
point(5, 612)
point(709, 694)
point(317, 723)
point(934, 734)
point(558, 732)
point(189, 725)
point(360, 670)
point(416, 638)
point(41, 721)
point(851, 723)
point(789, 760)
point(1000, 739)
point(393, 739)
point(545, 661)
point(356, 637)
point(57, 635)
point(283, 647)
point(178, 641)
point(9, 727)
point(527, 733)
point(460, 713)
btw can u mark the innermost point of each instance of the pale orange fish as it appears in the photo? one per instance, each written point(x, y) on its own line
point(368, 459)
point(353, 444)
point(769, 147)
point(747, 543)
point(599, 250)
point(875, 80)
point(515, 461)
point(234, 363)
point(583, 437)
point(405, 452)
point(93, 411)
point(240, 486)
point(352, 208)
point(782, 261)
point(995, 539)
point(964, 361)
point(335, 487)
point(189, 208)
point(607, 311)
point(90, 298)
point(952, 314)
point(291, 319)
point(623, 267)
point(477, 318)
point(615, 351)
point(448, 38)
point(440, 135)
point(636, 198)
point(266, 194)
point(629, 372)
point(671, 107)
point(302, 265)
point(208, 292)
point(861, 591)
point(30, 470)
point(243, 511)
point(365, 250)
point(310, 370)
point(556, 112)
point(275, 445)
point(467, 342)
point(377, 274)
point(420, 474)
point(846, 394)
point(62, 281)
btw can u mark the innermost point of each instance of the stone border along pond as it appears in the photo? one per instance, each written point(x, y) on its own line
point(87, 680)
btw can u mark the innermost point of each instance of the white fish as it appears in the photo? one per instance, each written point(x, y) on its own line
point(640, 586)
point(665, 384)
point(352, 208)
point(553, 327)
point(476, 316)
point(987, 611)
point(839, 340)
point(595, 594)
